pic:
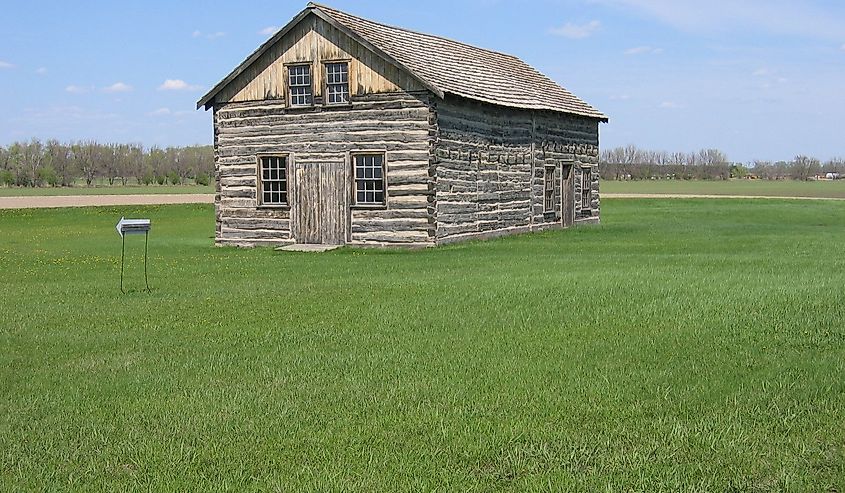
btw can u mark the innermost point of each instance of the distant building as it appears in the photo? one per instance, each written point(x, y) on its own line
point(832, 176)
point(341, 130)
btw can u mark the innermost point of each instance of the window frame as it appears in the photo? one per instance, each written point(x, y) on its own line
point(289, 87)
point(260, 180)
point(549, 179)
point(586, 188)
point(325, 74)
point(353, 165)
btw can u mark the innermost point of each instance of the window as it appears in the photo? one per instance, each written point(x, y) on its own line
point(586, 188)
point(274, 180)
point(299, 82)
point(369, 179)
point(337, 83)
point(549, 189)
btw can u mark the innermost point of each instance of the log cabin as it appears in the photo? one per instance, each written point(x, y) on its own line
point(343, 131)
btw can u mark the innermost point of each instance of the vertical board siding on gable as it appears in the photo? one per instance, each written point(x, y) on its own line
point(491, 162)
point(315, 41)
point(397, 124)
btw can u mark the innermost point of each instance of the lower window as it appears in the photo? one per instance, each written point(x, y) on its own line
point(549, 189)
point(586, 188)
point(274, 180)
point(369, 179)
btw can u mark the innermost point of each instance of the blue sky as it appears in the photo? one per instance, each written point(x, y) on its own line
point(756, 78)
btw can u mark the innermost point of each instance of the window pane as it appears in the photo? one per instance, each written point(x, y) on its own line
point(299, 80)
point(337, 82)
point(273, 183)
point(369, 179)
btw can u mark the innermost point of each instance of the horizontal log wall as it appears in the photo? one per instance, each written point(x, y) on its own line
point(490, 167)
point(399, 124)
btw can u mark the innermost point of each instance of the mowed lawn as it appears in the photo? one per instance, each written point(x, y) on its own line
point(683, 345)
point(771, 188)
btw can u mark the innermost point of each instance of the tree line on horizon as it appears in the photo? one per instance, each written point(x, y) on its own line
point(632, 163)
point(37, 163)
point(52, 163)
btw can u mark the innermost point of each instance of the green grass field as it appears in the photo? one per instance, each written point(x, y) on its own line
point(104, 190)
point(782, 188)
point(683, 345)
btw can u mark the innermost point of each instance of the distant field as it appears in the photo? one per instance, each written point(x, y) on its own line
point(682, 345)
point(782, 188)
point(104, 190)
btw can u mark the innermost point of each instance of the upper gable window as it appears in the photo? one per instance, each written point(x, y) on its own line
point(299, 83)
point(337, 83)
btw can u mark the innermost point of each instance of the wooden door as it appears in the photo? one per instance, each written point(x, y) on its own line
point(320, 209)
point(567, 196)
point(333, 194)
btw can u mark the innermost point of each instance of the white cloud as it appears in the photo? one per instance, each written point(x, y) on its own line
point(620, 97)
point(73, 89)
point(268, 30)
point(177, 85)
point(671, 105)
point(762, 72)
point(167, 112)
point(775, 16)
point(200, 34)
point(5, 65)
point(117, 87)
point(576, 31)
point(842, 47)
point(643, 50)
point(41, 71)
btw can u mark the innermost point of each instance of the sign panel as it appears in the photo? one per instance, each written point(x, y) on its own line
point(132, 226)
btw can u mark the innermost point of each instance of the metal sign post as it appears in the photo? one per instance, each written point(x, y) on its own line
point(133, 227)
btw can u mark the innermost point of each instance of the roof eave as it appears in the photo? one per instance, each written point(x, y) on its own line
point(595, 114)
point(366, 44)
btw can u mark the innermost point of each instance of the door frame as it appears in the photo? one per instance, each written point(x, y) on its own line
point(322, 166)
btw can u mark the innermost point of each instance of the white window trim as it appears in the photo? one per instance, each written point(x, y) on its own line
point(587, 179)
point(260, 180)
point(353, 166)
point(549, 178)
point(326, 84)
point(289, 87)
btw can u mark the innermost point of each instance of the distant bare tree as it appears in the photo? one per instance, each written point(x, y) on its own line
point(31, 158)
point(84, 157)
point(135, 163)
point(804, 167)
point(59, 156)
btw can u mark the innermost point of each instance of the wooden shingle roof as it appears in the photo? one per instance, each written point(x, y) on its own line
point(445, 66)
